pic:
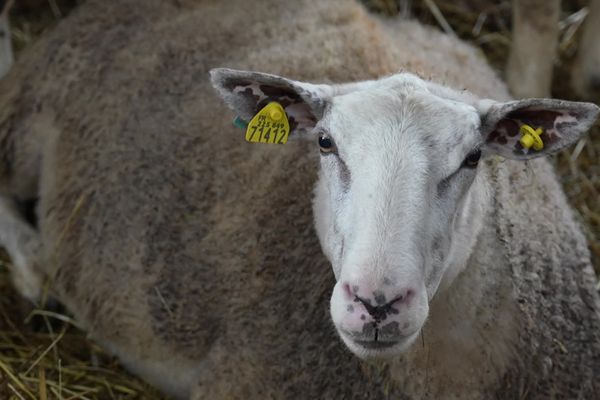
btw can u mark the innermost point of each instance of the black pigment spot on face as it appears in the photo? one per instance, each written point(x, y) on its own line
point(379, 297)
point(350, 308)
point(443, 186)
point(344, 175)
point(363, 317)
point(390, 331)
point(379, 312)
point(369, 329)
point(354, 289)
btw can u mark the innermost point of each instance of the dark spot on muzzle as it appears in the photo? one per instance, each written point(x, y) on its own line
point(379, 313)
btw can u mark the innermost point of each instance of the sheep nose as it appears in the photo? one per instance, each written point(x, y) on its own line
point(380, 312)
point(378, 303)
point(378, 316)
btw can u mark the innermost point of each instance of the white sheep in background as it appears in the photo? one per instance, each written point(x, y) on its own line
point(191, 254)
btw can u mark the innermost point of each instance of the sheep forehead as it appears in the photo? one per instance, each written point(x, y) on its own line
point(400, 117)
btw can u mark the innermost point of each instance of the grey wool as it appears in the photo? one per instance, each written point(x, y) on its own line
point(192, 255)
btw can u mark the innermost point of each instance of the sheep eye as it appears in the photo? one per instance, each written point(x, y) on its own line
point(472, 159)
point(326, 144)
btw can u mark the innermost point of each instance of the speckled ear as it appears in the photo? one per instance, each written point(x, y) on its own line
point(247, 92)
point(562, 123)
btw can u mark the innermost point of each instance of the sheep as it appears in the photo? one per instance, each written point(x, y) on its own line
point(534, 46)
point(195, 257)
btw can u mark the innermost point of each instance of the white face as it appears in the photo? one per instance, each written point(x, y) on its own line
point(392, 180)
point(399, 203)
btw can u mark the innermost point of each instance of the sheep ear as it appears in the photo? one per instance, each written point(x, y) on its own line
point(561, 122)
point(247, 92)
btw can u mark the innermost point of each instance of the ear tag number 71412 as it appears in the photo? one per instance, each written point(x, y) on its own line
point(270, 125)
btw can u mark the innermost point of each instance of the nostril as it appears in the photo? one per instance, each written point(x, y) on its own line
point(348, 293)
point(404, 297)
point(381, 310)
point(408, 295)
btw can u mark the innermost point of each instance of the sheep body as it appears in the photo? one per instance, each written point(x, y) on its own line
point(192, 255)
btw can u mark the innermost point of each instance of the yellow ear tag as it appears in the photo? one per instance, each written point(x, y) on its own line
point(270, 125)
point(531, 137)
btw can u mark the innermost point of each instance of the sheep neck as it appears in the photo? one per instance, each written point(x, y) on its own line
point(467, 342)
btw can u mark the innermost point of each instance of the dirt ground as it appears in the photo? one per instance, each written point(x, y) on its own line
point(42, 353)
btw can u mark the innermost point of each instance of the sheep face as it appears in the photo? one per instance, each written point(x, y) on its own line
point(393, 191)
point(399, 199)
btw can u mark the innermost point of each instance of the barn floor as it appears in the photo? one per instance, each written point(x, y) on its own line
point(42, 353)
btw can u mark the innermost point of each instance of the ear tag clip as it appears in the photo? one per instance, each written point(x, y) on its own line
point(531, 137)
point(240, 123)
point(270, 125)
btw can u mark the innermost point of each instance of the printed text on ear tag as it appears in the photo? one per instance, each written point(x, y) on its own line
point(270, 125)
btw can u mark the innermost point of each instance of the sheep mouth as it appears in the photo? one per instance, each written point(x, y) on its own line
point(375, 345)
